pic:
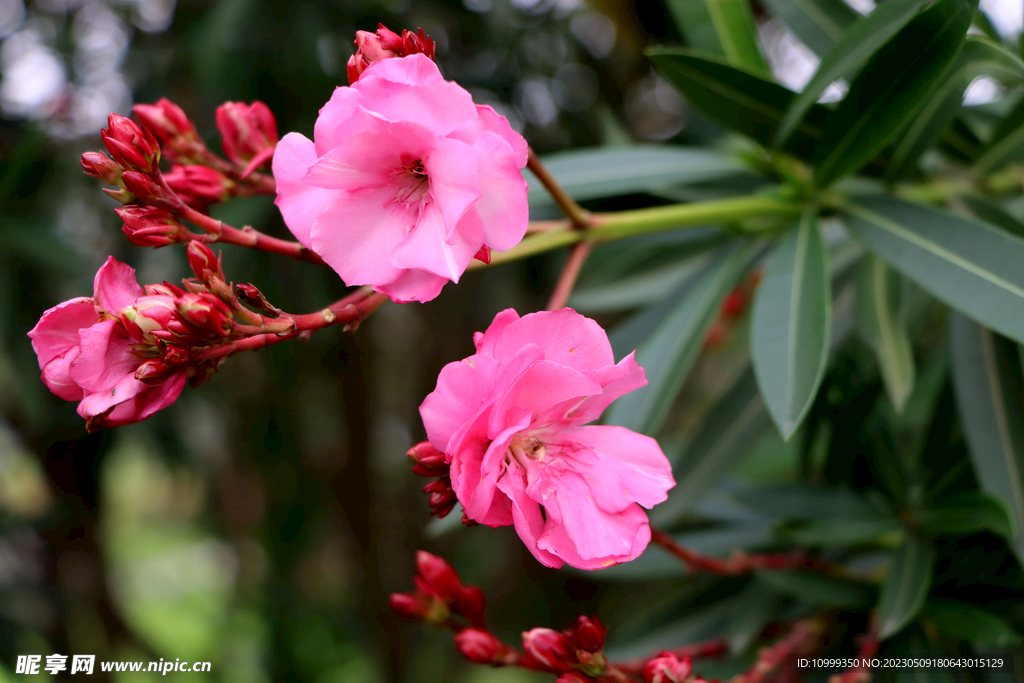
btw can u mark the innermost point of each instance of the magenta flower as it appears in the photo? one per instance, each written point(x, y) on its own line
point(406, 182)
point(509, 420)
point(87, 354)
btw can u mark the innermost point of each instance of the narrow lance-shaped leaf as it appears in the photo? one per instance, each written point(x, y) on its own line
point(850, 53)
point(791, 324)
point(979, 56)
point(971, 266)
point(890, 87)
point(906, 586)
point(694, 22)
point(1007, 142)
point(879, 324)
point(990, 212)
point(737, 99)
point(990, 398)
point(737, 33)
point(817, 23)
point(669, 353)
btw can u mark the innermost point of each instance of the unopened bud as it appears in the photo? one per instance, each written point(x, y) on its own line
point(131, 145)
point(471, 604)
point(146, 189)
point(430, 462)
point(164, 289)
point(481, 647)
point(177, 355)
point(206, 313)
point(169, 124)
point(101, 166)
point(549, 649)
point(150, 226)
point(406, 605)
point(574, 677)
point(249, 133)
point(586, 633)
point(386, 44)
point(250, 294)
point(440, 577)
point(591, 663)
point(204, 263)
point(199, 186)
point(484, 254)
point(148, 314)
point(666, 668)
point(155, 372)
point(442, 498)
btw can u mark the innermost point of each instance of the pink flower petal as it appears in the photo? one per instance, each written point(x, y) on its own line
point(333, 125)
point(425, 247)
point(105, 359)
point(356, 233)
point(622, 467)
point(454, 183)
point(413, 285)
point(526, 516)
point(502, 209)
point(475, 472)
point(56, 376)
point(631, 523)
point(540, 387)
point(416, 70)
point(145, 404)
point(115, 286)
point(461, 389)
point(486, 340)
point(299, 202)
point(615, 380)
point(439, 105)
point(57, 330)
point(566, 336)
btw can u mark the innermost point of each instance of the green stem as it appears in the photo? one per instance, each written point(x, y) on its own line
point(622, 224)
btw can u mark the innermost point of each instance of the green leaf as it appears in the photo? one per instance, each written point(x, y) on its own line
point(993, 214)
point(1006, 144)
point(801, 501)
point(853, 49)
point(986, 377)
point(979, 56)
point(817, 23)
point(971, 266)
point(737, 33)
point(905, 588)
point(967, 512)
point(726, 435)
point(791, 324)
point(815, 589)
point(609, 171)
point(970, 623)
point(890, 87)
point(669, 353)
point(741, 101)
point(843, 532)
point(694, 22)
point(759, 606)
point(878, 320)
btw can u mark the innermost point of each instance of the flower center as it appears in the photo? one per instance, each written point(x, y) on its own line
point(410, 180)
point(526, 450)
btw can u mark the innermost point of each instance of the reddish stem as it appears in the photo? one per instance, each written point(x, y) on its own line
point(220, 232)
point(570, 272)
point(739, 563)
point(349, 311)
point(709, 648)
point(803, 639)
point(573, 211)
point(868, 649)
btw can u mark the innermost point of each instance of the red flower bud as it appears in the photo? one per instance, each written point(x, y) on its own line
point(406, 605)
point(169, 124)
point(484, 254)
point(386, 44)
point(442, 497)
point(155, 372)
point(101, 166)
point(204, 263)
point(430, 462)
point(199, 186)
point(249, 133)
point(574, 677)
point(132, 146)
point(149, 226)
point(471, 605)
point(549, 649)
point(146, 189)
point(481, 647)
point(586, 633)
point(177, 355)
point(206, 313)
point(164, 289)
point(666, 668)
point(438, 576)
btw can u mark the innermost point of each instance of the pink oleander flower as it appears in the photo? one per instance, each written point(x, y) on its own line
point(406, 182)
point(510, 421)
point(87, 354)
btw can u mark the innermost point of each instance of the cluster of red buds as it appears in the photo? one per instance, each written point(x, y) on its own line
point(577, 653)
point(385, 44)
point(197, 179)
point(430, 462)
point(734, 306)
point(667, 668)
point(440, 596)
